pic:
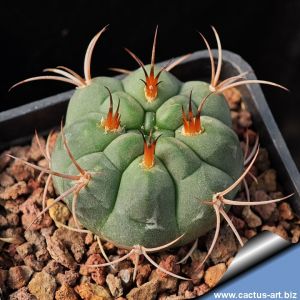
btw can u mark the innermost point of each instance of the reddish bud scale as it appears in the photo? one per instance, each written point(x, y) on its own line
point(112, 121)
point(191, 124)
point(151, 87)
point(149, 151)
point(148, 160)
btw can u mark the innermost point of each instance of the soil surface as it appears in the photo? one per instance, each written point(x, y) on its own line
point(52, 262)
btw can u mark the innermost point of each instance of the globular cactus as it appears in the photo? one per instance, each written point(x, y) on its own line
point(136, 197)
point(140, 158)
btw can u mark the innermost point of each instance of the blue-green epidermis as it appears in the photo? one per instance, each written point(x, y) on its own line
point(126, 203)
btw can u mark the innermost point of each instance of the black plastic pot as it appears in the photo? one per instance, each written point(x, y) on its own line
point(17, 127)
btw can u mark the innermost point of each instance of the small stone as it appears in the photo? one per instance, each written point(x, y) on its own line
point(13, 206)
point(22, 294)
point(33, 184)
point(262, 162)
point(12, 219)
point(97, 274)
point(251, 218)
point(265, 211)
point(24, 249)
point(126, 276)
point(4, 159)
point(30, 209)
point(18, 276)
point(184, 286)
point(3, 278)
point(31, 261)
point(53, 267)
point(89, 239)
point(225, 246)
point(3, 221)
point(168, 283)
point(296, 234)
point(35, 238)
point(72, 240)
point(46, 232)
point(14, 191)
point(89, 291)
point(68, 278)
point(11, 251)
point(195, 270)
point(60, 253)
point(245, 119)
point(233, 97)
point(189, 294)
point(114, 285)
point(15, 234)
point(20, 171)
point(65, 293)
point(279, 230)
point(229, 261)
point(250, 233)
point(267, 181)
point(42, 285)
point(42, 255)
point(6, 180)
point(252, 135)
point(43, 163)
point(201, 289)
point(147, 291)
point(125, 264)
point(286, 225)
point(214, 274)
point(20, 151)
point(285, 211)
point(234, 116)
point(93, 249)
point(109, 246)
point(169, 263)
point(59, 212)
point(35, 152)
point(238, 223)
point(143, 272)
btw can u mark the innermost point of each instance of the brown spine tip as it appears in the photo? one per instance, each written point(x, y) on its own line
point(112, 122)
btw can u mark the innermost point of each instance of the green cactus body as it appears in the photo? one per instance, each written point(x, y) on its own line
point(132, 205)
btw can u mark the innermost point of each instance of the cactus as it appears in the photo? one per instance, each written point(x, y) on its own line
point(139, 157)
